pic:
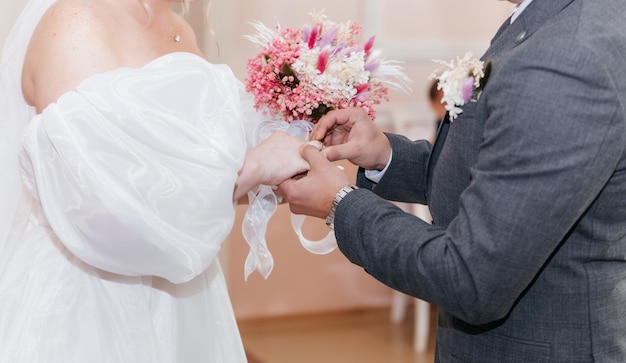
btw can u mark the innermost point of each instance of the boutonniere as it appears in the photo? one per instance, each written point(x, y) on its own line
point(461, 81)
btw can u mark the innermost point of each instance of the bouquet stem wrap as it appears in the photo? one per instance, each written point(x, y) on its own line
point(263, 203)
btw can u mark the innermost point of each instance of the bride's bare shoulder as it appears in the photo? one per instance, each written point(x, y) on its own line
point(71, 42)
point(72, 28)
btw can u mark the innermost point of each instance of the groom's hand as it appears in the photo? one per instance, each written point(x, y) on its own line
point(313, 193)
point(351, 134)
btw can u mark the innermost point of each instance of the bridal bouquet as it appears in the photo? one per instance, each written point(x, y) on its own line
point(301, 74)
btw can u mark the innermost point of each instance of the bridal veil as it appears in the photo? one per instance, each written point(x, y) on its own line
point(15, 115)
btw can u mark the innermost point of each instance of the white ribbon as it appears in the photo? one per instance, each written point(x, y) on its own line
point(321, 247)
point(262, 206)
point(263, 203)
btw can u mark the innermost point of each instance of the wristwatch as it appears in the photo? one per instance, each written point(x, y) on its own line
point(330, 219)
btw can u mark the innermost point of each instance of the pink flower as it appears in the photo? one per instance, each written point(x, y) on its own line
point(313, 37)
point(304, 73)
point(322, 61)
point(362, 88)
point(368, 45)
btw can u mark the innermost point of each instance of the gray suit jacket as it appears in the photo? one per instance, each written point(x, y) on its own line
point(526, 259)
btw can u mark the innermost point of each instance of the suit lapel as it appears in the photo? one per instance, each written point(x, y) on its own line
point(442, 133)
point(531, 19)
point(507, 37)
point(501, 30)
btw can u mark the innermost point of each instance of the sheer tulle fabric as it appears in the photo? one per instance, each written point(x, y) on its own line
point(132, 176)
point(14, 116)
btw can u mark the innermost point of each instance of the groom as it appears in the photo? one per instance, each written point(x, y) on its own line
point(526, 257)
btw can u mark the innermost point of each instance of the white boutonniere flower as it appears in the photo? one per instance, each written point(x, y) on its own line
point(461, 81)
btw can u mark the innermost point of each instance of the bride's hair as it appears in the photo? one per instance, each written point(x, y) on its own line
point(148, 10)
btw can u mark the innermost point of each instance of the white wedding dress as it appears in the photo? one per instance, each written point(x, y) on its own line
point(108, 246)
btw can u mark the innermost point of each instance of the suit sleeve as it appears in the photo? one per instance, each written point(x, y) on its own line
point(553, 137)
point(405, 180)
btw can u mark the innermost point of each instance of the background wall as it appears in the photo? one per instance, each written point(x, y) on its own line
point(411, 31)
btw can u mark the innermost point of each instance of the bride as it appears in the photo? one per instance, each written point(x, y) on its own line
point(123, 153)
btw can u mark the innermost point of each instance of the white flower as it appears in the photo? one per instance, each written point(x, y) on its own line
point(459, 82)
point(340, 78)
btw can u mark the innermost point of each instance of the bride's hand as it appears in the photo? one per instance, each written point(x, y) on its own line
point(279, 158)
point(274, 160)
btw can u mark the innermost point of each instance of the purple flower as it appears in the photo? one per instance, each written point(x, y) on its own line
point(306, 33)
point(371, 67)
point(328, 37)
point(468, 89)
